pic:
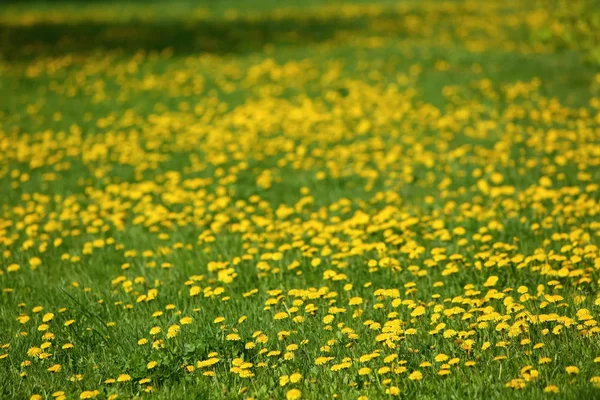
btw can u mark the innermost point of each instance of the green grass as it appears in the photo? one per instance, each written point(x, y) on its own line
point(244, 159)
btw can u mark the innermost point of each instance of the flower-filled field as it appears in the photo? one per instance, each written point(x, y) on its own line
point(300, 200)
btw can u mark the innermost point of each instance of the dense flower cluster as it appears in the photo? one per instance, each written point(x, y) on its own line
point(377, 201)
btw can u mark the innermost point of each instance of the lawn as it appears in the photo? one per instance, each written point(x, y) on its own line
point(300, 199)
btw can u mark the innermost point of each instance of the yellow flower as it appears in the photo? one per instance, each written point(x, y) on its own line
point(572, 370)
point(295, 377)
point(293, 394)
point(393, 391)
point(355, 301)
point(151, 364)
point(173, 331)
point(34, 262)
point(418, 311)
point(155, 330)
point(491, 281)
point(13, 268)
point(415, 376)
point(124, 378)
point(551, 389)
point(322, 360)
point(207, 363)
point(34, 351)
point(89, 394)
point(280, 315)
point(516, 384)
point(54, 368)
point(47, 317)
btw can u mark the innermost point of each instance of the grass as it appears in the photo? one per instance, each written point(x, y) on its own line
point(320, 199)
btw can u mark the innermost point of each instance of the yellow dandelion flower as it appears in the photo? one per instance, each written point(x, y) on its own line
point(47, 317)
point(418, 311)
point(280, 315)
point(415, 376)
point(551, 389)
point(89, 394)
point(293, 394)
point(55, 368)
point(572, 370)
point(155, 330)
point(295, 377)
point(354, 301)
point(393, 391)
point(233, 337)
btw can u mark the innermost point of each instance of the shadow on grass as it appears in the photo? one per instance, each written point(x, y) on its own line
point(187, 37)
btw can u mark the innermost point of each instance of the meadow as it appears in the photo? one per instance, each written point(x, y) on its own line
point(300, 199)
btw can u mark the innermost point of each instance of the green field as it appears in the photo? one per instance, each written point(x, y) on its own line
point(305, 199)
